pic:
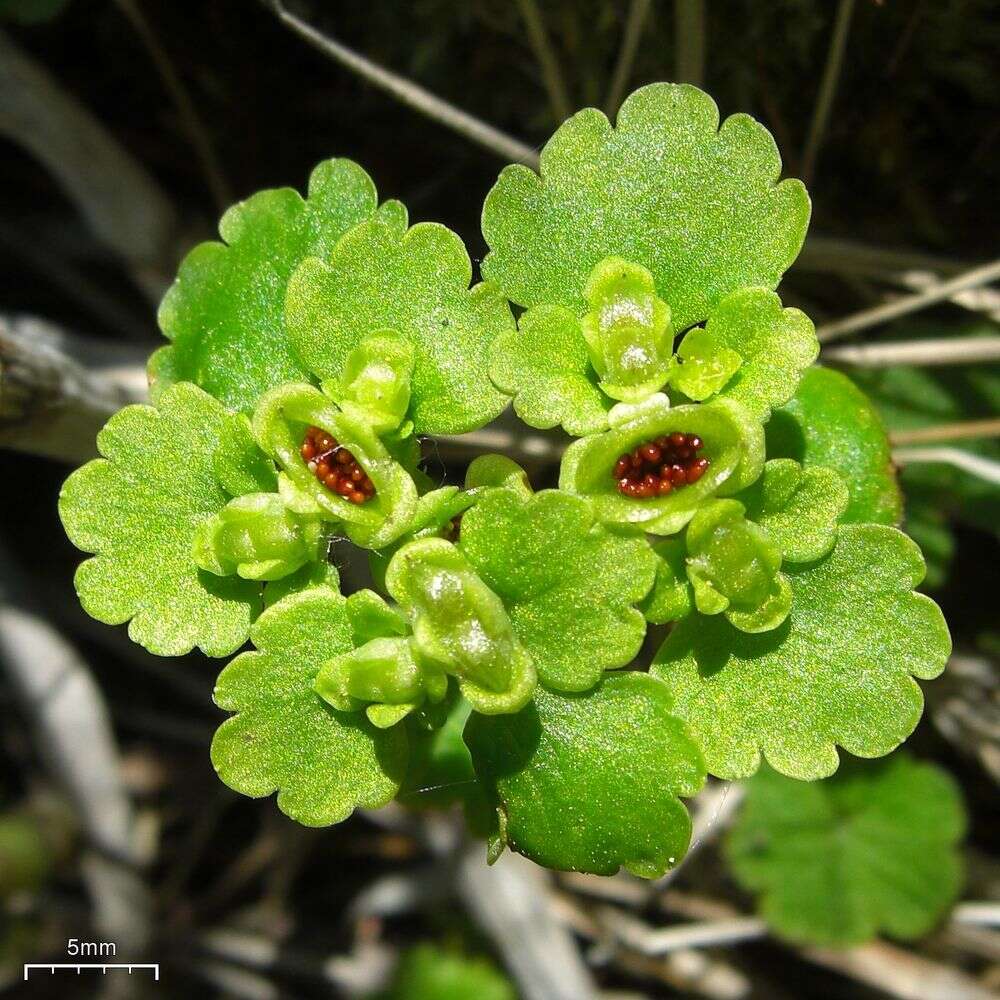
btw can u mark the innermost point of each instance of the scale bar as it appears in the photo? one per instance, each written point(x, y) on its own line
point(155, 966)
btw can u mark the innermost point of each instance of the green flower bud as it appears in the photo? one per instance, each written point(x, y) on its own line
point(628, 332)
point(705, 366)
point(734, 567)
point(256, 537)
point(383, 671)
point(377, 381)
point(459, 623)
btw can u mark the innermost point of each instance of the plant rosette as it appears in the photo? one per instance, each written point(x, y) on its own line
point(733, 447)
point(280, 424)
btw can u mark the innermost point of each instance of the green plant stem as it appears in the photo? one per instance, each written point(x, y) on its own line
point(909, 304)
point(943, 351)
point(637, 13)
point(689, 25)
point(548, 63)
point(827, 89)
point(409, 93)
point(192, 124)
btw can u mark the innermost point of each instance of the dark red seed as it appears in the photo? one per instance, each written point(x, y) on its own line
point(322, 469)
point(696, 442)
point(356, 497)
point(678, 475)
point(621, 467)
point(664, 487)
point(343, 457)
point(659, 466)
point(677, 439)
point(650, 452)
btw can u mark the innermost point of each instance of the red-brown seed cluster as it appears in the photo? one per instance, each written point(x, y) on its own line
point(660, 466)
point(335, 467)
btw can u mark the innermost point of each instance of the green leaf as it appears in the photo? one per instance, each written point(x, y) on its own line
point(138, 509)
point(733, 565)
point(428, 972)
point(697, 205)
point(497, 470)
point(415, 283)
point(831, 422)
point(734, 444)
point(324, 764)
point(310, 576)
point(569, 585)
point(225, 311)
point(239, 464)
point(705, 365)
point(837, 861)
point(671, 597)
point(545, 366)
point(837, 672)
point(798, 506)
point(776, 345)
point(589, 782)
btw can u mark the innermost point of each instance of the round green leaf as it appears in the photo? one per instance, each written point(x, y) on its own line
point(225, 311)
point(799, 506)
point(699, 206)
point(834, 862)
point(414, 283)
point(545, 366)
point(569, 585)
point(836, 673)
point(776, 345)
point(138, 509)
point(324, 764)
point(590, 782)
point(831, 422)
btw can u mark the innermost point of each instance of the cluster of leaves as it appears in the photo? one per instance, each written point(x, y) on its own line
point(643, 258)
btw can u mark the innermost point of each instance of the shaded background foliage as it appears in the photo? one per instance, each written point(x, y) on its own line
point(908, 162)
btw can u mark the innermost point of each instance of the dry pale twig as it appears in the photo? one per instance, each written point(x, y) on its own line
point(638, 11)
point(943, 351)
point(198, 135)
point(827, 88)
point(985, 468)
point(409, 93)
point(548, 63)
point(910, 303)
point(511, 901)
point(57, 390)
point(123, 205)
point(689, 30)
point(963, 430)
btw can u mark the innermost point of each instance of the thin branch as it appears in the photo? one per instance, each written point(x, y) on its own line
point(827, 88)
point(963, 430)
point(985, 468)
point(548, 63)
point(511, 901)
point(192, 124)
point(832, 253)
point(979, 300)
point(638, 11)
point(689, 31)
point(909, 304)
point(409, 93)
point(121, 202)
point(639, 936)
point(946, 351)
point(57, 390)
point(977, 914)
